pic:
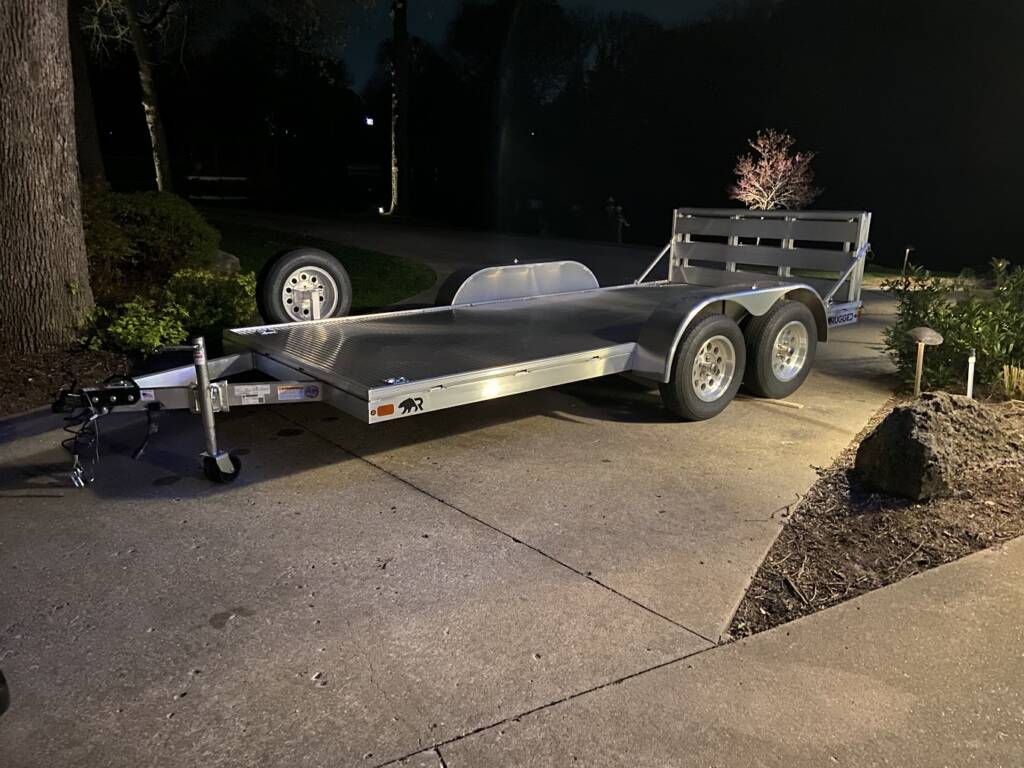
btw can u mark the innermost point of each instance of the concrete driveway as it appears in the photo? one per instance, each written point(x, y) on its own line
point(362, 594)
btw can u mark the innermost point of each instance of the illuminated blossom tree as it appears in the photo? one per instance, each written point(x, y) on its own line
point(774, 176)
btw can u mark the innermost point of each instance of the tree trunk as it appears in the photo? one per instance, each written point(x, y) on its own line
point(400, 108)
point(43, 269)
point(90, 158)
point(150, 103)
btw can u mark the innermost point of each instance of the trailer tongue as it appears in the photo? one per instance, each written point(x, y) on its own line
point(729, 312)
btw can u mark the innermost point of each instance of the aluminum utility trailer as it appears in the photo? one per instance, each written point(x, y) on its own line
point(730, 311)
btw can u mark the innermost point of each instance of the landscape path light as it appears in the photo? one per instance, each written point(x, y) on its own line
point(923, 337)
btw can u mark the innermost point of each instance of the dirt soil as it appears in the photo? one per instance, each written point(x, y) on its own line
point(843, 540)
point(32, 381)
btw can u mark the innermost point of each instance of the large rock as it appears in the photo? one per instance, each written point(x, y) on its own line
point(226, 263)
point(924, 449)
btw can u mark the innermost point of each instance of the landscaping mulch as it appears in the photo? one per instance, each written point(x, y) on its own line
point(29, 381)
point(843, 540)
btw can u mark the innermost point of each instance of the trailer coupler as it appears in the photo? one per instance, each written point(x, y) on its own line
point(86, 406)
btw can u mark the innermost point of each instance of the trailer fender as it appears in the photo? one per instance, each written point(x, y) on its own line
point(515, 281)
point(660, 336)
point(813, 302)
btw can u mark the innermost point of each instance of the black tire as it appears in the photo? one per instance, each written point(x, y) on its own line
point(680, 394)
point(761, 335)
point(446, 292)
point(5, 695)
point(271, 284)
point(214, 473)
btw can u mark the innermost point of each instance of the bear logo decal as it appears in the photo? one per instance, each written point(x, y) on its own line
point(411, 405)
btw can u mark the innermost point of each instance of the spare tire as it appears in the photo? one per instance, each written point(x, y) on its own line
point(291, 282)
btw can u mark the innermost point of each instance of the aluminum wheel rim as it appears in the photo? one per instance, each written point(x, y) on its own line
point(789, 352)
point(713, 368)
point(306, 285)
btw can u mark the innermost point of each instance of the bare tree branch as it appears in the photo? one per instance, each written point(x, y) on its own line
point(776, 177)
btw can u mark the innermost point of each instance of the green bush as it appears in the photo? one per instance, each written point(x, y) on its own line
point(111, 254)
point(149, 258)
point(141, 326)
point(137, 241)
point(990, 322)
point(194, 301)
point(213, 301)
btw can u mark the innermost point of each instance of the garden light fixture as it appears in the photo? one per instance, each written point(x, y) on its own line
point(923, 337)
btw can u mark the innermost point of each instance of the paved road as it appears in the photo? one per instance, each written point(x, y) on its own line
point(365, 593)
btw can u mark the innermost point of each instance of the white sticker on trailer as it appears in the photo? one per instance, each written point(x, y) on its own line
point(252, 394)
point(147, 395)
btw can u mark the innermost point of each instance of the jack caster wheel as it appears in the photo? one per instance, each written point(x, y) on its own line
point(213, 471)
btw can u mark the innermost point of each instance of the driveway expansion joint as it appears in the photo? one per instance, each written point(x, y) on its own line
point(512, 718)
point(506, 534)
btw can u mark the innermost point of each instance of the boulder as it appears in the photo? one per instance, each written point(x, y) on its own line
point(226, 263)
point(924, 449)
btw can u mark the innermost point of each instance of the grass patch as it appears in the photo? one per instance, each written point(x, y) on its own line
point(378, 279)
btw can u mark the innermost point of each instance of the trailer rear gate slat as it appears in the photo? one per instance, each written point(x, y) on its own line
point(771, 229)
point(759, 255)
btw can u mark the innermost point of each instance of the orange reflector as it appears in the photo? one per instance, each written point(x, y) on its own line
point(385, 410)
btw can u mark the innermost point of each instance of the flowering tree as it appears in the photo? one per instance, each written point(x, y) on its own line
point(775, 177)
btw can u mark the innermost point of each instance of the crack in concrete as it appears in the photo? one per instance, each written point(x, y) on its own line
point(436, 748)
point(512, 718)
point(589, 577)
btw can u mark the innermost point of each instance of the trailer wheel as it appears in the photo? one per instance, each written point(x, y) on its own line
point(781, 345)
point(290, 282)
point(708, 369)
point(217, 475)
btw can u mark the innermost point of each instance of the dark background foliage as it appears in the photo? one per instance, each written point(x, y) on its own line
point(530, 115)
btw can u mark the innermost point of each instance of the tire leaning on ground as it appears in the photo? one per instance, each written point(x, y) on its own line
point(292, 279)
point(707, 370)
point(781, 346)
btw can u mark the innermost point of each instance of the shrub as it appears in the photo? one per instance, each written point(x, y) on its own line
point(111, 254)
point(140, 326)
point(213, 301)
point(149, 257)
point(991, 323)
point(136, 241)
point(194, 301)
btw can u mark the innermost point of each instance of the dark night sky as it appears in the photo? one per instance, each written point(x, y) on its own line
point(429, 19)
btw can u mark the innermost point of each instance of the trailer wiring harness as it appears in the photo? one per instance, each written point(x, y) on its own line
point(83, 426)
point(85, 406)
